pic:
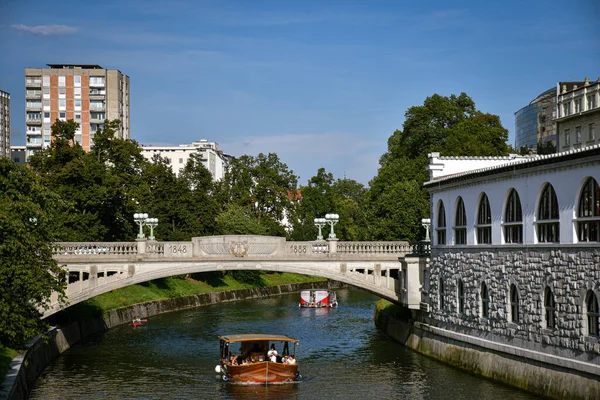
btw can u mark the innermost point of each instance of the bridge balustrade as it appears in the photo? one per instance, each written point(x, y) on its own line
point(98, 267)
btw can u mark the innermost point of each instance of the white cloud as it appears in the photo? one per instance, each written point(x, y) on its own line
point(45, 30)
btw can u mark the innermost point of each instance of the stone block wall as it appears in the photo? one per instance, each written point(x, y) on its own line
point(569, 272)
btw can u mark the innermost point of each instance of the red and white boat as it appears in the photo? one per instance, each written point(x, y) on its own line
point(318, 299)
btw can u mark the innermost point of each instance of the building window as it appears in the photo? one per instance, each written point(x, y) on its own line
point(460, 223)
point(567, 137)
point(46, 80)
point(566, 108)
point(591, 304)
point(77, 104)
point(549, 308)
point(77, 116)
point(97, 80)
point(588, 212)
point(77, 92)
point(46, 115)
point(513, 219)
point(62, 116)
point(485, 300)
point(61, 81)
point(591, 132)
point(591, 101)
point(62, 104)
point(77, 80)
point(577, 134)
point(514, 303)
point(484, 221)
point(441, 294)
point(461, 296)
point(548, 217)
point(578, 105)
point(441, 224)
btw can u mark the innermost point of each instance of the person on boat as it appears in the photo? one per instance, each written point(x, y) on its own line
point(272, 353)
point(291, 360)
point(137, 320)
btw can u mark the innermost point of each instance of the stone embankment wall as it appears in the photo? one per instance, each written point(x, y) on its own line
point(551, 377)
point(26, 368)
point(569, 273)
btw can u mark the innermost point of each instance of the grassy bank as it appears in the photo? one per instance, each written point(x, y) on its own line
point(161, 289)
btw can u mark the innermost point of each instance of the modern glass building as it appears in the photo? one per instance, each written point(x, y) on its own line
point(535, 123)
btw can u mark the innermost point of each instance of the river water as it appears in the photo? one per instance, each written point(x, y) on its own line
point(341, 356)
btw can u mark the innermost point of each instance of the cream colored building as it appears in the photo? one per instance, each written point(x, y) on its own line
point(577, 114)
point(88, 94)
point(213, 159)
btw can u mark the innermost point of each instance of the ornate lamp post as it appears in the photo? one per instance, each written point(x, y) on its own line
point(426, 222)
point(152, 223)
point(332, 219)
point(140, 219)
point(320, 223)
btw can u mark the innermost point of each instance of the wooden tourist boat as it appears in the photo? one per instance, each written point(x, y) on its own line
point(248, 358)
point(318, 299)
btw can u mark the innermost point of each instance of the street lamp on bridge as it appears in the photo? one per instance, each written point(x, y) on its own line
point(332, 219)
point(320, 223)
point(140, 219)
point(426, 222)
point(152, 223)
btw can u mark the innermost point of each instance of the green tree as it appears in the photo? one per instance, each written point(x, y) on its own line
point(264, 185)
point(28, 273)
point(449, 125)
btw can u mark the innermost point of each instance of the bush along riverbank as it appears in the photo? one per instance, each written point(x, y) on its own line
point(120, 306)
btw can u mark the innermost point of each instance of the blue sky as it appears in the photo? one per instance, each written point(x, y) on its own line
point(321, 83)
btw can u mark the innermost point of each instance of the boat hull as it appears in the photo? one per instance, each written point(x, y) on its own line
point(262, 372)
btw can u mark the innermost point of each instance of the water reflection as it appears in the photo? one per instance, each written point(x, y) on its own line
point(262, 392)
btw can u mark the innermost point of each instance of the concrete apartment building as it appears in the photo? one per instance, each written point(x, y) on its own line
point(213, 158)
point(4, 124)
point(88, 94)
point(577, 114)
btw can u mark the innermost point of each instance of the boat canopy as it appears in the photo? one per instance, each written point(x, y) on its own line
point(252, 337)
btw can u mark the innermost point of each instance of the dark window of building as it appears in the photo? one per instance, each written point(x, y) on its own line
point(441, 224)
point(485, 300)
point(549, 308)
point(460, 223)
point(513, 219)
point(547, 219)
point(514, 303)
point(461, 296)
point(591, 303)
point(441, 294)
point(484, 221)
point(588, 212)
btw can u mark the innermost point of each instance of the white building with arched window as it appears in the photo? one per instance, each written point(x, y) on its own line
point(516, 252)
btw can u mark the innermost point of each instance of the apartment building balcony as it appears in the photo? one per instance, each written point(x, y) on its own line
point(97, 120)
point(34, 121)
point(33, 95)
point(97, 96)
point(34, 107)
point(33, 82)
point(34, 141)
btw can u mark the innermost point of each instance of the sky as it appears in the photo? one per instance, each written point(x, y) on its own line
point(323, 84)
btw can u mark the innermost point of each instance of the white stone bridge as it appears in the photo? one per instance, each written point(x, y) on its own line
point(96, 268)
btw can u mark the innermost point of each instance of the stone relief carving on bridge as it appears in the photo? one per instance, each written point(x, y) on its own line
point(238, 249)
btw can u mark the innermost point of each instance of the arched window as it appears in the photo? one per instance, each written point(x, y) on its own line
point(484, 221)
point(547, 218)
point(460, 223)
point(513, 219)
point(485, 300)
point(441, 224)
point(441, 294)
point(461, 296)
point(549, 308)
point(514, 303)
point(591, 304)
point(588, 212)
